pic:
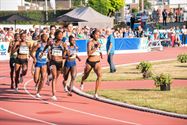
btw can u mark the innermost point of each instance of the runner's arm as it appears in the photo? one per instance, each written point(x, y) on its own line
point(15, 47)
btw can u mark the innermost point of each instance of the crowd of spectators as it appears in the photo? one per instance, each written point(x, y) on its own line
point(6, 34)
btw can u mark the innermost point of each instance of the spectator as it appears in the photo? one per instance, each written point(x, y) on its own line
point(80, 33)
point(164, 15)
point(154, 15)
point(170, 15)
point(9, 36)
point(132, 21)
point(139, 32)
point(157, 16)
point(128, 19)
point(130, 33)
point(144, 21)
point(2, 36)
point(125, 33)
point(110, 47)
point(184, 34)
point(177, 37)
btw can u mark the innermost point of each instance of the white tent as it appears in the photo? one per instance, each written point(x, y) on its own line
point(92, 18)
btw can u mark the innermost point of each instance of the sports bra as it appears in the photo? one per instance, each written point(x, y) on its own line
point(73, 51)
point(97, 52)
point(23, 49)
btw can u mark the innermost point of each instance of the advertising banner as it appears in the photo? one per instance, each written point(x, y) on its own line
point(4, 55)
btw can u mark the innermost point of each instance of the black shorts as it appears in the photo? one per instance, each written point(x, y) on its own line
point(92, 64)
point(12, 62)
point(57, 64)
point(21, 61)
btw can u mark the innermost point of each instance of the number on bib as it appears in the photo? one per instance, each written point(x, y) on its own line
point(56, 52)
point(24, 50)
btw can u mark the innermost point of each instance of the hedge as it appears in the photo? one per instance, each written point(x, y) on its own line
point(37, 15)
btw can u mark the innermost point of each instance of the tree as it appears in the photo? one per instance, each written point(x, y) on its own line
point(106, 7)
point(147, 5)
point(78, 2)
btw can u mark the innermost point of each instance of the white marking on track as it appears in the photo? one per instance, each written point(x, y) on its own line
point(75, 110)
point(23, 116)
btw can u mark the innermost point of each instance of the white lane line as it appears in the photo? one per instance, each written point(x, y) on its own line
point(5, 71)
point(23, 116)
point(3, 77)
point(75, 110)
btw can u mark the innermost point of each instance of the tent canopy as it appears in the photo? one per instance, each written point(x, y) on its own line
point(65, 18)
point(15, 17)
point(91, 17)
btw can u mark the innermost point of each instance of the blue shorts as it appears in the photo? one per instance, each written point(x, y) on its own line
point(70, 64)
point(40, 64)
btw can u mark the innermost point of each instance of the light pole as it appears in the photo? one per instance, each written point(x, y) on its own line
point(70, 3)
point(46, 10)
point(142, 5)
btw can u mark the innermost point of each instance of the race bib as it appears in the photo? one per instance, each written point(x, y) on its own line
point(24, 50)
point(56, 52)
point(73, 56)
point(44, 55)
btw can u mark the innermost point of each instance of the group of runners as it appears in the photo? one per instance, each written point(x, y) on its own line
point(52, 56)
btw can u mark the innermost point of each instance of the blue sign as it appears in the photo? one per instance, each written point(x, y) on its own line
point(2, 50)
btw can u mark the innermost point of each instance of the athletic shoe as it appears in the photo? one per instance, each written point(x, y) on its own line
point(38, 95)
point(82, 87)
point(16, 90)
point(54, 98)
point(65, 89)
point(95, 96)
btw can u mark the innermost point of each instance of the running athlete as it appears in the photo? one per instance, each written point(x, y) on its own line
point(13, 58)
point(70, 63)
point(93, 60)
point(56, 54)
point(23, 49)
point(40, 63)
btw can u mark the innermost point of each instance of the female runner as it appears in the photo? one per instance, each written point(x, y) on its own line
point(93, 60)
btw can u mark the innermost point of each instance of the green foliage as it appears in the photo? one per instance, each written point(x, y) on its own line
point(182, 58)
point(106, 6)
point(134, 10)
point(162, 79)
point(77, 3)
point(158, 26)
point(144, 66)
point(147, 4)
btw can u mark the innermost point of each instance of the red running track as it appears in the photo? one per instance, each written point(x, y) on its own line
point(24, 108)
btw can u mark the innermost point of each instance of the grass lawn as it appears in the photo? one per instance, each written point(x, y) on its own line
point(174, 100)
point(176, 69)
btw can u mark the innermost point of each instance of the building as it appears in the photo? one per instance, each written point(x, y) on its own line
point(169, 4)
point(132, 3)
point(17, 5)
point(9, 5)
